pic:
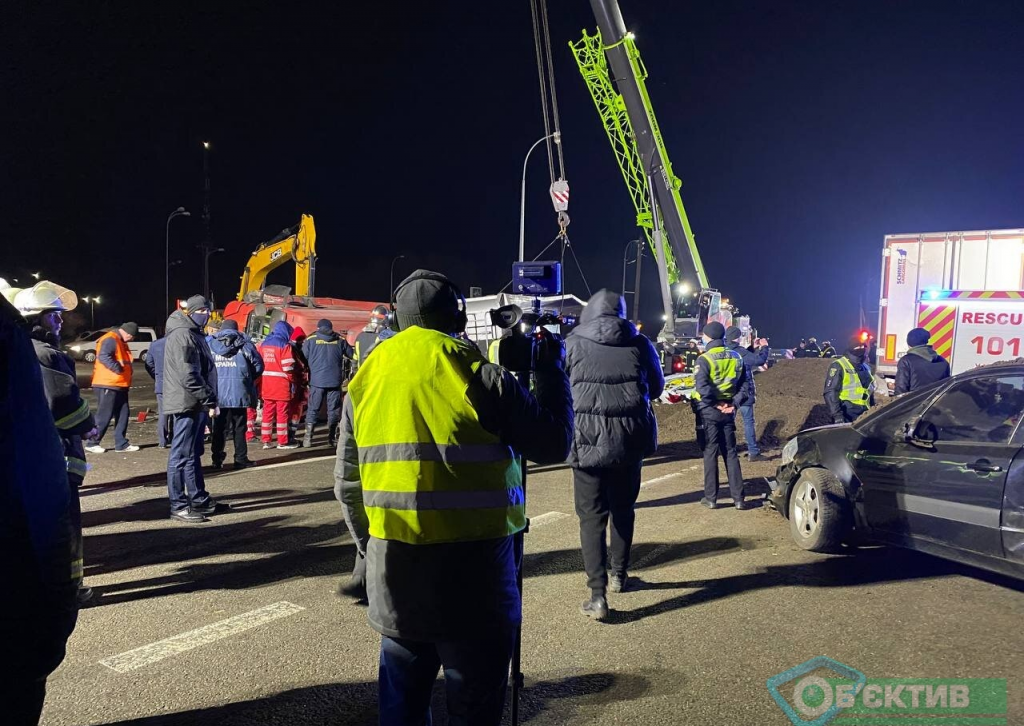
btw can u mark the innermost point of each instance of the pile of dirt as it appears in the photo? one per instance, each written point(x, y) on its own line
point(789, 399)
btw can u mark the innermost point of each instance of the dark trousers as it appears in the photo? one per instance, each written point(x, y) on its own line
point(750, 429)
point(185, 484)
point(22, 701)
point(475, 678)
point(230, 423)
point(720, 431)
point(600, 494)
point(162, 436)
point(316, 399)
point(112, 403)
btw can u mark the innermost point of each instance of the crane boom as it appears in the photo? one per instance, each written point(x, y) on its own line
point(296, 244)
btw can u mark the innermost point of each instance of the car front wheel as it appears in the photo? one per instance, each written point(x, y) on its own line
point(90, 357)
point(818, 511)
point(142, 355)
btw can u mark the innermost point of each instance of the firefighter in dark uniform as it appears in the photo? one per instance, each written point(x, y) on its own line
point(42, 307)
point(376, 330)
point(326, 353)
point(849, 384)
point(719, 380)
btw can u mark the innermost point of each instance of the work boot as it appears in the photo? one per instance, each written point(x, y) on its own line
point(307, 440)
point(708, 503)
point(596, 607)
point(618, 583)
point(332, 436)
point(756, 457)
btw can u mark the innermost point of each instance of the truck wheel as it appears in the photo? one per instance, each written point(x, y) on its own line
point(90, 357)
point(819, 512)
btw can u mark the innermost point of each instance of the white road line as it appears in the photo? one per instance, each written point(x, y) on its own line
point(664, 477)
point(147, 654)
point(547, 518)
point(264, 467)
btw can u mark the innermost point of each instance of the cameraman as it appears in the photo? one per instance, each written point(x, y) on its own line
point(615, 372)
point(432, 492)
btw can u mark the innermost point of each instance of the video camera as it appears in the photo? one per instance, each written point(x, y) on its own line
point(535, 339)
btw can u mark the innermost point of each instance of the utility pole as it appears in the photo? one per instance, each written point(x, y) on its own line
point(206, 220)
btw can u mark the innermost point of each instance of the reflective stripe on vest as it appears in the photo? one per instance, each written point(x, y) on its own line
point(853, 390)
point(723, 367)
point(430, 472)
point(103, 376)
point(76, 466)
point(75, 418)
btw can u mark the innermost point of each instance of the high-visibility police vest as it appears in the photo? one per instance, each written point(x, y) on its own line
point(430, 472)
point(106, 378)
point(853, 391)
point(724, 366)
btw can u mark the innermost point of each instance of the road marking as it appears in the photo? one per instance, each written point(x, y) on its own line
point(547, 518)
point(147, 654)
point(263, 467)
point(664, 477)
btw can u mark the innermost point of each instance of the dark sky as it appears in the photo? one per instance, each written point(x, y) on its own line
point(803, 133)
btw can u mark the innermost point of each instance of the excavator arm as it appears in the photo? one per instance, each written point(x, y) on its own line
point(296, 244)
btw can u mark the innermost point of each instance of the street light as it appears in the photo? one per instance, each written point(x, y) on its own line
point(36, 275)
point(92, 300)
point(179, 212)
point(522, 192)
point(391, 284)
point(206, 270)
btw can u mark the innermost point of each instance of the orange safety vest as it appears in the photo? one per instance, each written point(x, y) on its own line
point(106, 378)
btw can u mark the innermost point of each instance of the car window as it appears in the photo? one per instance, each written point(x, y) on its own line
point(978, 409)
point(145, 337)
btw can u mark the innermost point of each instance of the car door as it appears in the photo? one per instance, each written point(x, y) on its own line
point(1013, 503)
point(944, 483)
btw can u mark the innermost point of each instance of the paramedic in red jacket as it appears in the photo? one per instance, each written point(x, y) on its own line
point(276, 385)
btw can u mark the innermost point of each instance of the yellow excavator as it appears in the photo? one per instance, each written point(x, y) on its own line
point(295, 244)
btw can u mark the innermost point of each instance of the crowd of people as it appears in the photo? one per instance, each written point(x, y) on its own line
point(429, 469)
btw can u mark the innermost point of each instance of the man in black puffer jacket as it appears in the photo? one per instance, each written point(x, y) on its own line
point(921, 365)
point(614, 372)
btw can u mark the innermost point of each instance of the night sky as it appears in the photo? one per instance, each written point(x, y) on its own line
point(803, 132)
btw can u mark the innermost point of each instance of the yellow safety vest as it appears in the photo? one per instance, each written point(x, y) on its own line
point(492, 351)
point(853, 390)
point(430, 472)
point(724, 366)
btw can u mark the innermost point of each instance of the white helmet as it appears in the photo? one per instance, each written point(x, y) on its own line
point(44, 296)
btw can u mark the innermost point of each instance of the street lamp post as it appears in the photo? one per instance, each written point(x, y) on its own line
point(522, 192)
point(179, 212)
point(391, 284)
point(206, 270)
point(92, 300)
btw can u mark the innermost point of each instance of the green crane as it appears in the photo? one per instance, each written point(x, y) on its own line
point(628, 118)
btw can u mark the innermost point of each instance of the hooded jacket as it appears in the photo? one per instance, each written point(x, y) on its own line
point(278, 364)
point(189, 377)
point(920, 367)
point(238, 364)
point(326, 354)
point(614, 372)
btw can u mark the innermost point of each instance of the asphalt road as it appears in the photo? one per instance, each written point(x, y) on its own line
point(726, 601)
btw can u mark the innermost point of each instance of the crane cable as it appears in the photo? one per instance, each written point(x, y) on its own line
point(546, 79)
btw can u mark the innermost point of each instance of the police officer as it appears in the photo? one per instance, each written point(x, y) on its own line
point(430, 482)
point(326, 353)
point(828, 350)
point(849, 384)
point(719, 380)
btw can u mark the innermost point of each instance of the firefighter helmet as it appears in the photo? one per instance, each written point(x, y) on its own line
point(45, 296)
point(379, 315)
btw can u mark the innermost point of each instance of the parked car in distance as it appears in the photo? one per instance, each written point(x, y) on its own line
point(939, 470)
point(84, 348)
